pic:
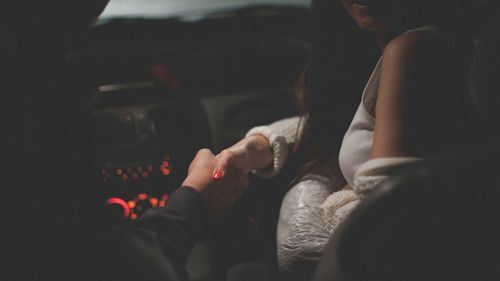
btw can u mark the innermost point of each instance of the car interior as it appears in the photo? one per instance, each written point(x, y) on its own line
point(171, 84)
point(172, 77)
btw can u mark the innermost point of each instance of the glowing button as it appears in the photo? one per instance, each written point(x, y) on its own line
point(153, 201)
point(163, 200)
point(121, 203)
point(164, 168)
point(131, 204)
point(142, 196)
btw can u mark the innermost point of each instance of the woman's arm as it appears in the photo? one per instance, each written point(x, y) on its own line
point(411, 97)
point(264, 150)
point(251, 153)
point(310, 212)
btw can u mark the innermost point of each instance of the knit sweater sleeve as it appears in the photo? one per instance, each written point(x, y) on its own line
point(281, 135)
point(310, 214)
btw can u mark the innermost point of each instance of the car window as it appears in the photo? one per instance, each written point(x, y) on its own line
point(184, 8)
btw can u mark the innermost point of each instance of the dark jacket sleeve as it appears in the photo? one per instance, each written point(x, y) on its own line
point(178, 224)
point(156, 246)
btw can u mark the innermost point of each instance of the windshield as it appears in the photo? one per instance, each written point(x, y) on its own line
point(184, 8)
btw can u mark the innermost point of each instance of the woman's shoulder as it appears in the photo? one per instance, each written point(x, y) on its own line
point(419, 60)
point(417, 81)
point(419, 45)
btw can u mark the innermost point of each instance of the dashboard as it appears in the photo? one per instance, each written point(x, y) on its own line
point(167, 88)
point(145, 149)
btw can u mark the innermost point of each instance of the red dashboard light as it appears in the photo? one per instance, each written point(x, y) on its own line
point(164, 168)
point(163, 74)
point(121, 203)
point(153, 201)
point(163, 200)
point(132, 204)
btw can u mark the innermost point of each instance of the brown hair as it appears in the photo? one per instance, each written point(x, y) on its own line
point(330, 85)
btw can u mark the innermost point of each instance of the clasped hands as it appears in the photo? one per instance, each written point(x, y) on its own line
point(220, 179)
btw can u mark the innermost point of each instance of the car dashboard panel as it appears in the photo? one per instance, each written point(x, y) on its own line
point(168, 87)
point(146, 149)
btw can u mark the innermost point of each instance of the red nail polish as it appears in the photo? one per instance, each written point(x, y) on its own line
point(218, 175)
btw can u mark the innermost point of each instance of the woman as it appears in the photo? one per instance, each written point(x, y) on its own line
point(414, 105)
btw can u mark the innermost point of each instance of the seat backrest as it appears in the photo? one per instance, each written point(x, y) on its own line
point(437, 220)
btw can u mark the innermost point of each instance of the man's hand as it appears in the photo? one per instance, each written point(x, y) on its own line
point(200, 171)
point(218, 194)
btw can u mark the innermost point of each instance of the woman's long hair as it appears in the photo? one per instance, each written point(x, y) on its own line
point(330, 86)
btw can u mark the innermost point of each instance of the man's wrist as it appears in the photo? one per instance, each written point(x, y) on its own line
point(194, 184)
point(188, 202)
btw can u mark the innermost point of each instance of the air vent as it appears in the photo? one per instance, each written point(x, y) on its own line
point(171, 124)
point(116, 128)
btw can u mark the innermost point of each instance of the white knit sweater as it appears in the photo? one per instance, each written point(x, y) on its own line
point(311, 210)
point(315, 206)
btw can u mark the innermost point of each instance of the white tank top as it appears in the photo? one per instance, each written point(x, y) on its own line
point(357, 143)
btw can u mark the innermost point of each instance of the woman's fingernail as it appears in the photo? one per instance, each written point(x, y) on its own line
point(218, 175)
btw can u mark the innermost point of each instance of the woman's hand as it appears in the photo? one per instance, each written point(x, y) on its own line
point(231, 159)
point(251, 153)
